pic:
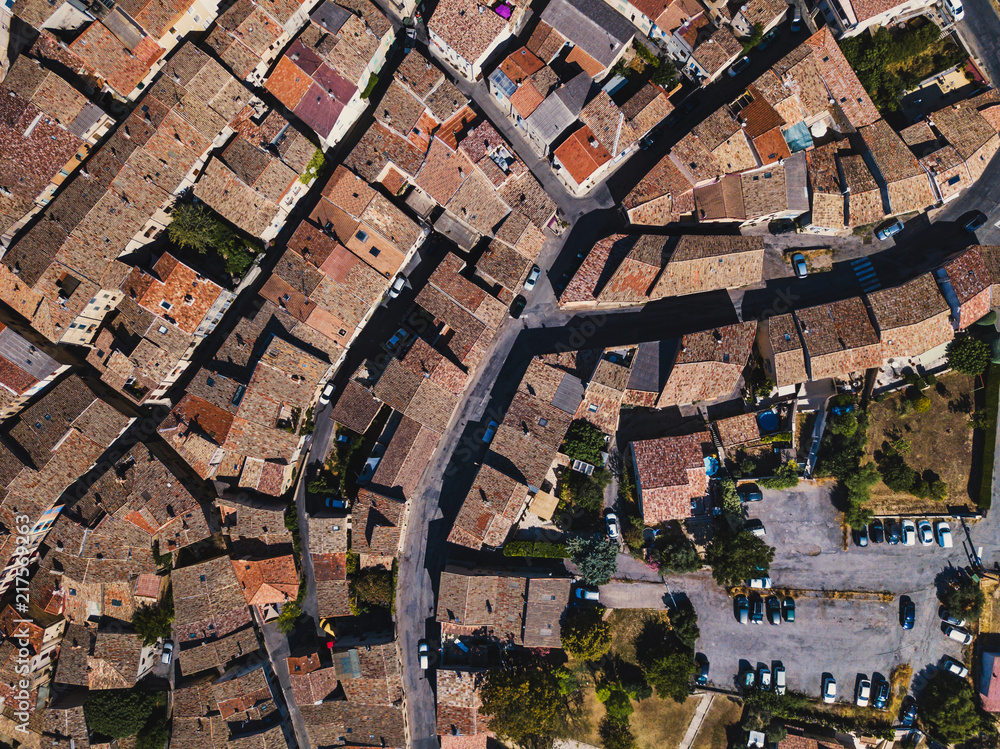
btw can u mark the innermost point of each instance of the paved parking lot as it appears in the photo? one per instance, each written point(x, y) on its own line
point(844, 638)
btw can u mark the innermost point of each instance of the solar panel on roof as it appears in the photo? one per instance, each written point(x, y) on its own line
point(502, 82)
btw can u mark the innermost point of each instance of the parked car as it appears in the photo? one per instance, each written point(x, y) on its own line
point(881, 699)
point(747, 680)
point(517, 306)
point(799, 265)
point(756, 527)
point(757, 610)
point(411, 39)
point(949, 664)
point(742, 609)
point(907, 612)
point(890, 230)
point(955, 9)
point(977, 219)
point(327, 393)
point(908, 714)
point(764, 678)
point(750, 493)
point(491, 429)
point(168, 651)
point(424, 653)
point(861, 537)
point(796, 19)
point(958, 634)
point(779, 679)
point(892, 532)
point(702, 678)
point(876, 531)
point(829, 689)
point(768, 38)
point(788, 607)
point(739, 66)
point(397, 287)
point(613, 530)
point(944, 535)
point(925, 533)
point(335, 503)
point(761, 583)
point(948, 618)
point(529, 282)
point(773, 610)
point(397, 337)
point(909, 533)
point(584, 594)
point(863, 692)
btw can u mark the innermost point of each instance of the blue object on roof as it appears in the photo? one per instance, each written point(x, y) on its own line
point(614, 85)
point(768, 421)
point(798, 137)
point(711, 466)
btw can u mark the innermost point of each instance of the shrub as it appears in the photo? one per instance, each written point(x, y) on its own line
point(585, 634)
point(314, 167)
point(618, 704)
point(616, 734)
point(538, 549)
point(665, 75)
point(670, 675)
point(922, 404)
point(676, 553)
point(786, 477)
point(684, 624)
point(596, 558)
point(584, 442)
point(289, 616)
point(964, 598)
point(730, 497)
point(736, 557)
point(370, 86)
point(374, 586)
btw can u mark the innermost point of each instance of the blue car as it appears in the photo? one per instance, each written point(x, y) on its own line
point(889, 231)
point(907, 612)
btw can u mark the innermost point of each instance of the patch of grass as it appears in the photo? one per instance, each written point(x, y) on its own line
point(724, 712)
point(584, 721)
point(627, 625)
point(899, 685)
point(659, 723)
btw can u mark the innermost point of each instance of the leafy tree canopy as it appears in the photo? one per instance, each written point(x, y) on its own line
point(616, 734)
point(684, 623)
point(117, 713)
point(192, 225)
point(584, 442)
point(948, 709)
point(670, 675)
point(524, 702)
point(152, 623)
point(289, 615)
point(969, 355)
point(596, 558)
point(585, 634)
point(374, 586)
point(965, 599)
point(736, 557)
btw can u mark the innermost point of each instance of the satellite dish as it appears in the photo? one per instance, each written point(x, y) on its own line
point(818, 130)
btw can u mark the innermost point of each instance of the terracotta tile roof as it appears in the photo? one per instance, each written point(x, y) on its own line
point(670, 472)
point(608, 124)
point(379, 147)
point(963, 127)
point(771, 146)
point(493, 603)
point(477, 204)
point(738, 430)
point(893, 159)
point(840, 80)
point(758, 116)
point(582, 154)
point(121, 68)
point(694, 160)
point(909, 304)
point(839, 338)
point(399, 109)
point(714, 53)
point(467, 27)
point(717, 128)
point(419, 74)
point(709, 364)
point(989, 683)
point(968, 274)
point(443, 171)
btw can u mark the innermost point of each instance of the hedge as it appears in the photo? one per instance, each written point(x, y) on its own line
point(541, 549)
point(991, 403)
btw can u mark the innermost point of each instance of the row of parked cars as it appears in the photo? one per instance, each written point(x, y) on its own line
point(907, 532)
point(765, 679)
point(751, 610)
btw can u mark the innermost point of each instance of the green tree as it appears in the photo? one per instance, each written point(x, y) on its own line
point(684, 624)
point(844, 425)
point(585, 634)
point(964, 599)
point(524, 703)
point(736, 557)
point(616, 734)
point(192, 225)
point(584, 442)
point(670, 675)
point(665, 75)
point(375, 586)
point(117, 713)
point(152, 623)
point(618, 704)
point(596, 558)
point(756, 35)
point(968, 355)
point(731, 498)
point(785, 477)
point(153, 735)
point(289, 616)
point(676, 553)
point(948, 708)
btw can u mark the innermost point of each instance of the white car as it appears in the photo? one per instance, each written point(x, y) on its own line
point(944, 535)
point(327, 393)
point(864, 692)
point(168, 650)
point(958, 634)
point(764, 678)
point(762, 583)
point(613, 529)
point(956, 668)
point(955, 9)
point(424, 652)
point(829, 690)
point(397, 287)
point(925, 532)
point(779, 679)
point(909, 533)
point(532, 278)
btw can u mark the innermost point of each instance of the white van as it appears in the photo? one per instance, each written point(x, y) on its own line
point(955, 9)
point(762, 583)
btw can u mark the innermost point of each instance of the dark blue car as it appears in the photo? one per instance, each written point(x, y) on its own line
point(907, 612)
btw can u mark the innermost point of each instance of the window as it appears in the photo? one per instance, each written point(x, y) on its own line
point(362, 236)
point(203, 578)
point(72, 591)
point(543, 422)
point(162, 329)
point(593, 408)
point(115, 602)
point(374, 252)
point(165, 304)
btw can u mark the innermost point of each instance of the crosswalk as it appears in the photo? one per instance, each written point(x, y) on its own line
point(866, 274)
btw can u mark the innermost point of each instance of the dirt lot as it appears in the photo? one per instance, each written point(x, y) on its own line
point(941, 441)
point(723, 713)
point(656, 723)
point(626, 625)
